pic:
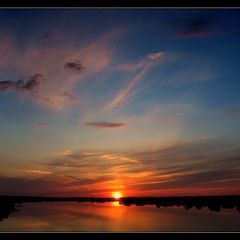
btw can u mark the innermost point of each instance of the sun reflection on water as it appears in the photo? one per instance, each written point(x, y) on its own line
point(116, 204)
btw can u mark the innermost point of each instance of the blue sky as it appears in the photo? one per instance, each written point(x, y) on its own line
point(86, 94)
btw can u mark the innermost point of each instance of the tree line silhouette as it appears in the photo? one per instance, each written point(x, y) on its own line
point(213, 203)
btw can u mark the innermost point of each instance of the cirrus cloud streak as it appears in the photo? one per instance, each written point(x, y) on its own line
point(105, 124)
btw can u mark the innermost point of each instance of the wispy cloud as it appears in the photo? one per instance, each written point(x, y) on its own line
point(65, 152)
point(124, 93)
point(105, 124)
point(188, 167)
point(40, 124)
point(36, 171)
point(88, 159)
point(155, 56)
point(58, 90)
point(119, 157)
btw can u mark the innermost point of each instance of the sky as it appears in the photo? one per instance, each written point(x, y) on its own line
point(144, 102)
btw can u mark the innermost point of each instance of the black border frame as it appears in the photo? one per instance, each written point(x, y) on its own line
point(112, 4)
point(113, 235)
point(120, 4)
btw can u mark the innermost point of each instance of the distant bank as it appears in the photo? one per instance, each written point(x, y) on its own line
point(214, 203)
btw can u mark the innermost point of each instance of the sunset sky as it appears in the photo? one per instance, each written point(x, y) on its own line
point(141, 102)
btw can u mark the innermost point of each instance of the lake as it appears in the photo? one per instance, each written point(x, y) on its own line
point(113, 217)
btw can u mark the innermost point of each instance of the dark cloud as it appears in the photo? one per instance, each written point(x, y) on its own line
point(197, 26)
point(74, 66)
point(28, 85)
point(7, 85)
point(33, 82)
point(105, 124)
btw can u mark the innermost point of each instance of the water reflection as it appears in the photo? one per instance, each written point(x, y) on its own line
point(112, 216)
point(116, 204)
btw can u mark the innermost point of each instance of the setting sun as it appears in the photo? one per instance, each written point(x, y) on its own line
point(116, 195)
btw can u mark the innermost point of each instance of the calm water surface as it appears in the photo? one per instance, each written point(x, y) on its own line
point(73, 216)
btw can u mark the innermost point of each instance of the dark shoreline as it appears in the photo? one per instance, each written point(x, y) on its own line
point(214, 203)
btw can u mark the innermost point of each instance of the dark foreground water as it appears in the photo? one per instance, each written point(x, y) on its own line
point(73, 216)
